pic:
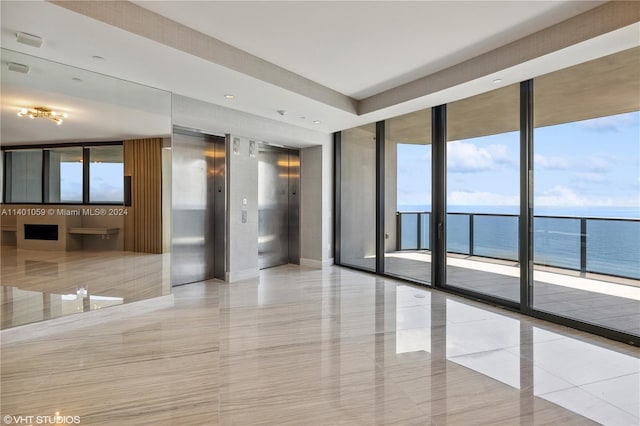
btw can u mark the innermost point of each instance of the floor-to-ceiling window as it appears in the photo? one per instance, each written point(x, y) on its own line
point(65, 181)
point(408, 196)
point(358, 197)
point(483, 195)
point(106, 169)
point(581, 197)
point(587, 192)
point(23, 178)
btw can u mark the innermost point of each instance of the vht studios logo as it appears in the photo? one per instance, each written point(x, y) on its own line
point(56, 419)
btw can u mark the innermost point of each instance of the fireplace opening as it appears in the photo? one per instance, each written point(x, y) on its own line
point(41, 232)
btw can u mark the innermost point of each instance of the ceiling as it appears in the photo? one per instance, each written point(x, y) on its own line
point(315, 60)
point(99, 108)
point(362, 48)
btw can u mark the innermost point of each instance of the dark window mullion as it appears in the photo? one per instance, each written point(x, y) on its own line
point(337, 181)
point(7, 177)
point(85, 175)
point(380, 231)
point(438, 195)
point(525, 243)
point(46, 169)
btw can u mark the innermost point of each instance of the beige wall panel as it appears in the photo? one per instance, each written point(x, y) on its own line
point(145, 228)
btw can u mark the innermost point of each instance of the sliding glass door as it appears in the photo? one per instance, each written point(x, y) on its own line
point(483, 195)
point(358, 197)
point(408, 196)
point(587, 192)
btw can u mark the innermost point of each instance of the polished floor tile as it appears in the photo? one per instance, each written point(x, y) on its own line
point(317, 347)
point(38, 285)
point(608, 301)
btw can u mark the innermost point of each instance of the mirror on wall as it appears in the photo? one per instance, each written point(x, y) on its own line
point(86, 200)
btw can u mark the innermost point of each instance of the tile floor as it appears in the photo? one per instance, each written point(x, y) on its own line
point(319, 347)
point(39, 285)
point(606, 301)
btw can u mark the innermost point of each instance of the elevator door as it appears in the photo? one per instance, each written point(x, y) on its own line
point(198, 215)
point(278, 206)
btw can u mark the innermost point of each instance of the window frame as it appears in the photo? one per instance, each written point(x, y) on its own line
point(45, 177)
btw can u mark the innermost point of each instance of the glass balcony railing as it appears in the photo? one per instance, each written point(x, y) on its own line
point(609, 246)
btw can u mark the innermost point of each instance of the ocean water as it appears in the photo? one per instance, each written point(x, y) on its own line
point(613, 246)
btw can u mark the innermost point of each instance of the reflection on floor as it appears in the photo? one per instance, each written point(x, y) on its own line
point(322, 347)
point(607, 301)
point(39, 285)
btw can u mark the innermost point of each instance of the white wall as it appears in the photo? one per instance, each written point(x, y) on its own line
point(390, 194)
point(327, 204)
point(166, 195)
point(242, 210)
point(311, 198)
point(195, 114)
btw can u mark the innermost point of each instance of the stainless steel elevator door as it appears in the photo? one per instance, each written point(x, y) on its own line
point(278, 206)
point(197, 244)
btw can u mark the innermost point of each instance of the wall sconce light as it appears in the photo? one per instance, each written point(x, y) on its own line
point(42, 112)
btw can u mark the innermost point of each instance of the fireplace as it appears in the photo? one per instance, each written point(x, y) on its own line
point(40, 232)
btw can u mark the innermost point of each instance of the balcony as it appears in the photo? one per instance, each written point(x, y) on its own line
point(586, 268)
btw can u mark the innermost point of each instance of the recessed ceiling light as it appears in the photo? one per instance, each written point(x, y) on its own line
point(497, 81)
point(316, 121)
point(229, 96)
point(29, 39)
point(281, 112)
point(97, 58)
point(14, 66)
point(79, 80)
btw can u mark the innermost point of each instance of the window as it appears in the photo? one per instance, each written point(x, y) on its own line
point(408, 196)
point(579, 239)
point(106, 174)
point(587, 193)
point(60, 175)
point(358, 197)
point(64, 173)
point(23, 170)
point(483, 193)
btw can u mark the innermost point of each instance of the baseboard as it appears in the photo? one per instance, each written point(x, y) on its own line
point(311, 263)
point(316, 264)
point(247, 274)
point(328, 262)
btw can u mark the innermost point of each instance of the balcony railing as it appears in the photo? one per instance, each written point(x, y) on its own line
point(608, 246)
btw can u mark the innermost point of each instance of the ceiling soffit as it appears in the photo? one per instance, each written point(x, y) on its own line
point(602, 87)
point(137, 20)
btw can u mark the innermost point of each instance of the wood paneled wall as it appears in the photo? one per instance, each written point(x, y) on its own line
point(143, 162)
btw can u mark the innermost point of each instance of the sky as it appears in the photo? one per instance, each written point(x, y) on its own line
point(579, 165)
point(106, 181)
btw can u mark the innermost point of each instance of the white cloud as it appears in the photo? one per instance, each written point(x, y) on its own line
point(591, 177)
point(464, 157)
point(559, 195)
point(612, 123)
point(550, 163)
point(600, 163)
point(472, 198)
point(563, 196)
